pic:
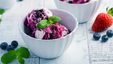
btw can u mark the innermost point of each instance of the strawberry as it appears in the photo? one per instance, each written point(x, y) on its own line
point(103, 21)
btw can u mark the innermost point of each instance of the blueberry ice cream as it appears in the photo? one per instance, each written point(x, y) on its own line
point(53, 31)
point(75, 1)
point(36, 16)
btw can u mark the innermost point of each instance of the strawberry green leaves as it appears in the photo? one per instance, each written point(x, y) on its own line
point(1, 12)
point(51, 20)
point(20, 53)
point(110, 11)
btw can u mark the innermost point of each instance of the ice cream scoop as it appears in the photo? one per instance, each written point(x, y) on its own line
point(53, 31)
point(36, 16)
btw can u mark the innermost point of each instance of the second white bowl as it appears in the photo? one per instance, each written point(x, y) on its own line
point(83, 12)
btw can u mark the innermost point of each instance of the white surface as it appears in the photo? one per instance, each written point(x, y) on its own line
point(77, 53)
point(6, 4)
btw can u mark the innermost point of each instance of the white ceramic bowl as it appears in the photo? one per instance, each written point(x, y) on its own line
point(83, 12)
point(6, 4)
point(56, 47)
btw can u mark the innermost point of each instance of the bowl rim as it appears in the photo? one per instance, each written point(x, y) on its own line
point(90, 2)
point(19, 27)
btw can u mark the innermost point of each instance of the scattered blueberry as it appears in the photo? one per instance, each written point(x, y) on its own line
point(20, 0)
point(10, 47)
point(14, 43)
point(109, 33)
point(3, 45)
point(70, 2)
point(104, 38)
point(96, 36)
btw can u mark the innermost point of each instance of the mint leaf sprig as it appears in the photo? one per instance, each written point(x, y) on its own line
point(51, 20)
point(109, 11)
point(0, 19)
point(20, 53)
point(1, 12)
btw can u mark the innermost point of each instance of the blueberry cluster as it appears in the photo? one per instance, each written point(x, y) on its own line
point(5, 46)
point(109, 34)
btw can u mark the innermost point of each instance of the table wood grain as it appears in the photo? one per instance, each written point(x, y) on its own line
point(83, 49)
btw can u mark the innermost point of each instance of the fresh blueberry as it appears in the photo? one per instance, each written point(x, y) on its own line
point(104, 38)
point(3, 45)
point(109, 33)
point(70, 2)
point(96, 36)
point(14, 43)
point(20, 0)
point(10, 47)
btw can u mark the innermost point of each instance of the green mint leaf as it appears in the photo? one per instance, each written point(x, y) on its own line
point(1, 12)
point(110, 12)
point(43, 24)
point(17, 52)
point(50, 22)
point(0, 19)
point(21, 60)
point(23, 52)
point(8, 57)
point(54, 18)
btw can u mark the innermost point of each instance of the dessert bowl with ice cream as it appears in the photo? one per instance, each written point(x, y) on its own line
point(83, 10)
point(48, 32)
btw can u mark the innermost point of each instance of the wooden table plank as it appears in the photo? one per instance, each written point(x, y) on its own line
point(77, 53)
point(10, 19)
point(49, 4)
point(9, 26)
point(100, 53)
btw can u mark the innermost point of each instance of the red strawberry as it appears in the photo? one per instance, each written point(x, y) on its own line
point(102, 21)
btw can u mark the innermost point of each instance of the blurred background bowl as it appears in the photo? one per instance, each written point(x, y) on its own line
point(55, 47)
point(83, 12)
point(7, 4)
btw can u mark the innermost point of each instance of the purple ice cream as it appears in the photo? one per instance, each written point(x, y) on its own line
point(54, 31)
point(36, 16)
point(76, 1)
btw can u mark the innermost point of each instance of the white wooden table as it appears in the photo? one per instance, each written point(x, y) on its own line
point(83, 50)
